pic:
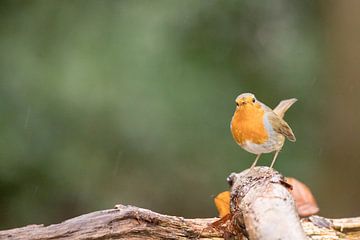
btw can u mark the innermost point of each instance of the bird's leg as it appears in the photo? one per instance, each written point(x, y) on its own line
point(256, 159)
point(275, 156)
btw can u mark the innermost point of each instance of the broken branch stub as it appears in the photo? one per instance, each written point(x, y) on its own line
point(262, 207)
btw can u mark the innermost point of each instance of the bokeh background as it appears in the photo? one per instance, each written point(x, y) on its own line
point(106, 102)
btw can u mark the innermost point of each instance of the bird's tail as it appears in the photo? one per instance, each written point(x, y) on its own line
point(283, 106)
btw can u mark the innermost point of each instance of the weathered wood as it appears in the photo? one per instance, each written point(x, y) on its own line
point(128, 222)
point(123, 222)
point(260, 205)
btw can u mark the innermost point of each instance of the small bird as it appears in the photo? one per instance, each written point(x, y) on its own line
point(258, 129)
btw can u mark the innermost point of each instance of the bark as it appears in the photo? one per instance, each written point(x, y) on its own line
point(261, 208)
point(123, 222)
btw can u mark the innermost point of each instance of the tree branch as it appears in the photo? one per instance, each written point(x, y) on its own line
point(258, 208)
point(262, 205)
point(123, 222)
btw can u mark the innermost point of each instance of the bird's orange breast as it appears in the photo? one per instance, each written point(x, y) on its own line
point(247, 124)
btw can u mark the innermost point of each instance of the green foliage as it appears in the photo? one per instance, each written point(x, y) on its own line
point(106, 102)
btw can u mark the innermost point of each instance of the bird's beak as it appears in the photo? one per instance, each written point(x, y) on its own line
point(240, 103)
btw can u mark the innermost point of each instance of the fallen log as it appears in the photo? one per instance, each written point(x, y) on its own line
point(260, 209)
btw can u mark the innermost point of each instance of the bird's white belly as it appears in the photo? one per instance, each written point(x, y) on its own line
point(256, 148)
point(273, 144)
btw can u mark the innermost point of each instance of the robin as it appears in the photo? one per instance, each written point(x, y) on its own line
point(258, 129)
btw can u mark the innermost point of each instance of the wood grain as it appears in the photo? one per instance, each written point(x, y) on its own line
point(261, 208)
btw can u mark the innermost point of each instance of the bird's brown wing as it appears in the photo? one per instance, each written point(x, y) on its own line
point(280, 126)
point(283, 106)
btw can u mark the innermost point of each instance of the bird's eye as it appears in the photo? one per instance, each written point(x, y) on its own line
point(253, 100)
point(237, 104)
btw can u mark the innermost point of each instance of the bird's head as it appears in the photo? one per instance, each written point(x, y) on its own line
point(245, 99)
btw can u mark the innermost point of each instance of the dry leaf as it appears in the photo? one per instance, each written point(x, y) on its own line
point(222, 203)
point(305, 201)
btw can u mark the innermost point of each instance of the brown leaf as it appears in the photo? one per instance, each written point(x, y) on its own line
point(218, 223)
point(222, 203)
point(305, 201)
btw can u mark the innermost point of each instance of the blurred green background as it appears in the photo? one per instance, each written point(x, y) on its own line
point(106, 102)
